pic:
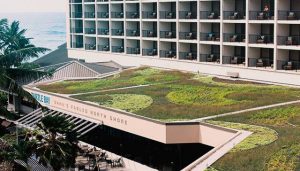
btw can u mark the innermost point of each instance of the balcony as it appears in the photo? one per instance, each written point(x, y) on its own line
point(187, 15)
point(132, 15)
point(288, 65)
point(89, 14)
point(90, 46)
point(90, 31)
point(167, 14)
point(261, 15)
point(214, 58)
point(132, 33)
point(117, 32)
point(234, 60)
point(149, 33)
point(209, 15)
point(261, 39)
point(288, 15)
point(103, 14)
point(192, 56)
point(76, 15)
point(75, 1)
point(188, 35)
point(288, 40)
point(133, 50)
point(117, 15)
point(77, 45)
point(103, 31)
point(76, 30)
point(232, 37)
point(210, 37)
point(149, 15)
point(118, 49)
point(149, 52)
point(104, 48)
point(168, 54)
point(262, 62)
point(168, 34)
point(234, 15)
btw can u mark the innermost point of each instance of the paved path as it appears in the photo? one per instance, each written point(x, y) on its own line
point(248, 110)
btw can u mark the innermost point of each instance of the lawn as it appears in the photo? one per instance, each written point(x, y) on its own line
point(282, 154)
point(191, 96)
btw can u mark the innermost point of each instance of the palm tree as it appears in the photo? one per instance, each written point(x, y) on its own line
point(58, 147)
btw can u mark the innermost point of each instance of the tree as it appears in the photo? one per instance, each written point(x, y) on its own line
point(58, 147)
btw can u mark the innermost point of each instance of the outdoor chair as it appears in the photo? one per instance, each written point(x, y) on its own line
point(106, 48)
point(261, 39)
point(153, 15)
point(150, 34)
point(118, 162)
point(189, 36)
point(292, 16)
point(234, 16)
point(153, 52)
point(189, 56)
point(134, 33)
point(169, 35)
point(234, 60)
point(109, 162)
point(106, 15)
point(211, 37)
point(261, 16)
point(211, 58)
point(134, 15)
point(288, 66)
point(170, 54)
point(233, 38)
point(188, 15)
point(120, 32)
point(212, 15)
point(169, 15)
point(121, 15)
point(106, 32)
point(121, 49)
point(260, 63)
point(136, 51)
point(290, 41)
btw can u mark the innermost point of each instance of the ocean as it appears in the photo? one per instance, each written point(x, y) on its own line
point(47, 29)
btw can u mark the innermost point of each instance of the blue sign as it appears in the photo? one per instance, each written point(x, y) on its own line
point(41, 98)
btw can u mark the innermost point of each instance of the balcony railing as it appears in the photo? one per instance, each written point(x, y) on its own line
point(187, 15)
point(167, 14)
point(149, 52)
point(210, 36)
point(77, 45)
point(188, 55)
point(90, 46)
point(234, 15)
point(233, 60)
point(117, 49)
point(76, 30)
point(103, 48)
point(133, 50)
point(262, 62)
point(261, 39)
point(232, 37)
point(102, 0)
point(89, 0)
point(117, 15)
point(76, 15)
point(89, 14)
point(261, 15)
point(90, 31)
point(103, 14)
point(209, 15)
point(291, 65)
point(103, 31)
point(132, 14)
point(288, 40)
point(132, 33)
point(188, 35)
point(168, 53)
point(168, 34)
point(149, 33)
point(215, 57)
point(75, 1)
point(149, 14)
point(288, 15)
point(117, 32)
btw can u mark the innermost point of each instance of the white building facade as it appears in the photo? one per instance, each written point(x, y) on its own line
point(251, 39)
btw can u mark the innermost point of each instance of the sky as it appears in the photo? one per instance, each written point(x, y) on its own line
point(13, 6)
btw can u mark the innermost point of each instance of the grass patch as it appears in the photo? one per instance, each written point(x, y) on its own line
point(279, 156)
point(261, 135)
point(286, 159)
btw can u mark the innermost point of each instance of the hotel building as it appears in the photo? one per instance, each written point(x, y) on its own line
point(234, 38)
